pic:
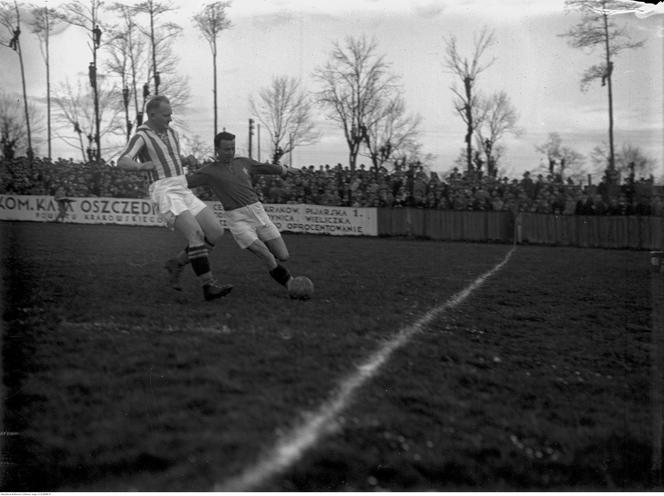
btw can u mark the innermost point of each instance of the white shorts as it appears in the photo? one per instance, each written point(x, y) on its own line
point(173, 197)
point(247, 224)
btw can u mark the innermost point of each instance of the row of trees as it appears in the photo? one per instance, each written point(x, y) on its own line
point(139, 54)
point(565, 161)
point(358, 90)
point(488, 119)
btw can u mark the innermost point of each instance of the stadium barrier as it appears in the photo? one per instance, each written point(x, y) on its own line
point(633, 232)
point(446, 224)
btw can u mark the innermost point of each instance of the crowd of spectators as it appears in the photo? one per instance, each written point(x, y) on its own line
point(42, 177)
point(403, 186)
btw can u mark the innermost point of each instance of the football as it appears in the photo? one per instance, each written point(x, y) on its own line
point(300, 288)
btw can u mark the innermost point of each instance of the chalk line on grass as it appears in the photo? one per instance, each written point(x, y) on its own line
point(292, 445)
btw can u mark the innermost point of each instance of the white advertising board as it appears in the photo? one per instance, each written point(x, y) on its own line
point(300, 218)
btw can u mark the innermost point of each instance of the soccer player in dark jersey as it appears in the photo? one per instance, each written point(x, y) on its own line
point(230, 178)
point(156, 148)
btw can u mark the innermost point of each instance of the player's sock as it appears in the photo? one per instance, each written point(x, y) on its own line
point(183, 258)
point(198, 256)
point(280, 274)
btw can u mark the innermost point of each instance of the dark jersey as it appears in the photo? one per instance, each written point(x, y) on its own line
point(232, 183)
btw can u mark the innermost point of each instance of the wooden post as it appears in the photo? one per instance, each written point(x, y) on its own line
point(657, 366)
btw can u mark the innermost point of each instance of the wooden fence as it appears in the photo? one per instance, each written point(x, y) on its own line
point(634, 232)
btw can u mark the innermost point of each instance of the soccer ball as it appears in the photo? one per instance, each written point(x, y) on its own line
point(300, 288)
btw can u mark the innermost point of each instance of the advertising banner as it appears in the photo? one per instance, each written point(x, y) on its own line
point(125, 211)
point(298, 218)
point(320, 219)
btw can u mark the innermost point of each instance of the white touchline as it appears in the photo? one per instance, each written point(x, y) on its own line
point(292, 445)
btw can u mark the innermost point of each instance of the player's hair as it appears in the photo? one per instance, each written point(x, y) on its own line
point(223, 136)
point(154, 103)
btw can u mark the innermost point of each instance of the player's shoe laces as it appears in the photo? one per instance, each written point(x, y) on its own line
point(174, 272)
point(214, 290)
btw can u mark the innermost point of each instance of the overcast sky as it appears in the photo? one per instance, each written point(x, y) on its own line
point(536, 68)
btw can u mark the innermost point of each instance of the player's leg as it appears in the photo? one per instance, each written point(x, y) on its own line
point(259, 249)
point(206, 220)
point(242, 225)
point(187, 225)
point(271, 236)
point(277, 271)
point(247, 227)
point(212, 230)
point(277, 247)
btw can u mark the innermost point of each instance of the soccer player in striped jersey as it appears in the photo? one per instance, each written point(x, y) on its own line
point(155, 148)
point(230, 178)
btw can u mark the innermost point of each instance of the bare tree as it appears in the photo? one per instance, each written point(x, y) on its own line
point(562, 160)
point(412, 153)
point(497, 117)
point(195, 146)
point(285, 110)
point(10, 19)
point(211, 21)
point(134, 51)
point(45, 20)
point(596, 30)
point(128, 60)
point(355, 83)
point(633, 159)
point(551, 150)
point(468, 69)
point(162, 67)
point(73, 112)
point(391, 131)
point(158, 34)
point(13, 129)
point(173, 82)
point(86, 17)
point(120, 63)
point(630, 159)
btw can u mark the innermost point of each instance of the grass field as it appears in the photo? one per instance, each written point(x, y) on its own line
point(539, 380)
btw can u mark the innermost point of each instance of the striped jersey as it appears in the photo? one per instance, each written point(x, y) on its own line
point(162, 149)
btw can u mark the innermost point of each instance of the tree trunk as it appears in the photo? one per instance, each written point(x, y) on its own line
point(214, 81)
point(352, 156)
point(133, 77)
point(469, 120)
point(80, 140)
point(48, 87)
point(25, 102)
point(609, 70)
point(125, 103)
point(95, 92)
point(154, 55)
point(25, 93)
